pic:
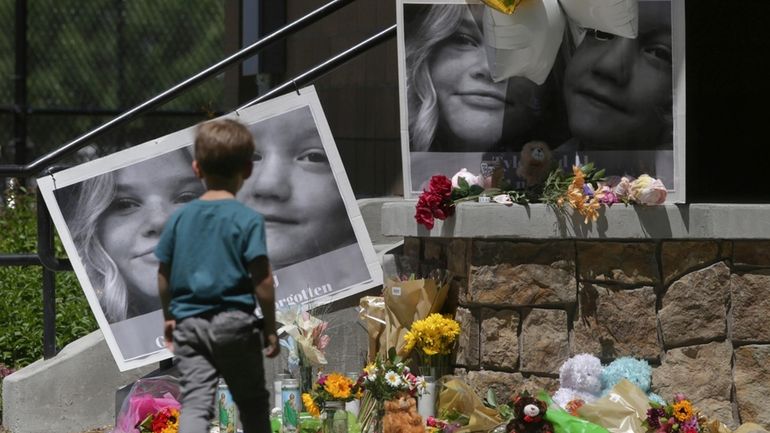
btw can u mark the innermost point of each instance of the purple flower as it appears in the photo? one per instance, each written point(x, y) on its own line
point(653, 417)
point(587, 190)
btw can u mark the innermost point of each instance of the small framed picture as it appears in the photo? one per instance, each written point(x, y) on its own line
point(109, 214)
point(592, 96)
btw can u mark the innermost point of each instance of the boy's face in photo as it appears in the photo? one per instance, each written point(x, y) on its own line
point(146, 194)
point(292, 185)
point(618, 91)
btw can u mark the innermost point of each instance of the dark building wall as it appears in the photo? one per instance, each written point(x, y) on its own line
point(360, 98)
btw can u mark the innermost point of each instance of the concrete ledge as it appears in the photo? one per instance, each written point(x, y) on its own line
point(71, 392)
point(538, 221)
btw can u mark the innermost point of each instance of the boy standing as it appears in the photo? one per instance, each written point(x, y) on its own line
point(213, 261)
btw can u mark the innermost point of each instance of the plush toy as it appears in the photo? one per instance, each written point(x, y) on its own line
point(535, 162)
point(579, 380)
point(636, 371)
point(401, 416)
point(529, 416)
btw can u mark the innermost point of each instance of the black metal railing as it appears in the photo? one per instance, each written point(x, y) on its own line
point(45, 255)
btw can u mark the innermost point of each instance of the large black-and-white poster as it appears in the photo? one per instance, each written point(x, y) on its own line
point(110, 212)
point(617, 101)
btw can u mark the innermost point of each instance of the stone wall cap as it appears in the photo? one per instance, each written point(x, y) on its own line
point(539, 221)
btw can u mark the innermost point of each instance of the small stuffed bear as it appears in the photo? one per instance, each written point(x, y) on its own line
point(535, 162)
point(528, 416)
point(401, 416)
point(579, 380)
point(636, 371)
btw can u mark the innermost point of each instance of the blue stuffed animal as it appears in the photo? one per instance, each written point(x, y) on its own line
point(636, 371)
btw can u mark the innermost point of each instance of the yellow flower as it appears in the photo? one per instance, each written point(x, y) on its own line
point(683, 410)
point(312, 409)
point(433, 335)
point(338, 386)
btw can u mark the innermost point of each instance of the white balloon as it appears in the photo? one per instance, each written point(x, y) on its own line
point(525, 43)
point(618, 17)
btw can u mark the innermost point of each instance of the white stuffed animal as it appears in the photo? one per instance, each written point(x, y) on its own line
point(579, 379)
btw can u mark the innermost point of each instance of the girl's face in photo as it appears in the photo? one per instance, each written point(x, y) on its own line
point(145, 196)
point(476, 112)
point(618, 91)
point(292, 185)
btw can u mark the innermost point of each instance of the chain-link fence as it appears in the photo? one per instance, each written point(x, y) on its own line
point(87, 62)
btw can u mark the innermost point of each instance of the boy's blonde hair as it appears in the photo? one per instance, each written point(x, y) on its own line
point(222, 147)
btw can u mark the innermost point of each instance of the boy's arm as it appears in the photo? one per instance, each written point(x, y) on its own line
point(262, 278)
point(164, 272)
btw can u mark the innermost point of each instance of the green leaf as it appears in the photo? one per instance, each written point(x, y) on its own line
point(462, 183)
point(491, 398)
point(476, 190)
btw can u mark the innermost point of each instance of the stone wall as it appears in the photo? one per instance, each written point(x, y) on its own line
point(697, 311)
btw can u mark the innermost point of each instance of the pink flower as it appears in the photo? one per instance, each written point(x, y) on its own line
point(606, 195)
point(648, 191)
point(623, 188)
point(141, 406)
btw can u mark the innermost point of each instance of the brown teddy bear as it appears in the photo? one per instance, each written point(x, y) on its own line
point(535, 163)
point(528, 416)
point(401, 416)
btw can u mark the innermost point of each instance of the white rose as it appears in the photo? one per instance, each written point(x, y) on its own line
point(469, 177)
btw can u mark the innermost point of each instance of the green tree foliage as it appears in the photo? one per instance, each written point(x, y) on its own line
point(112, 55)
point(21, 311)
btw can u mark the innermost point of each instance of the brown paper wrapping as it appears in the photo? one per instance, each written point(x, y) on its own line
point(407, 301)
point(372, 315)
point(456, 394)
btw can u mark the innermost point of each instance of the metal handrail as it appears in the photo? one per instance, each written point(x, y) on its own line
point(17, 170)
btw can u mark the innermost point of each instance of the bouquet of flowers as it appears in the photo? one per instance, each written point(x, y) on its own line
point(165, 420)
point(679, 416)
point(151, 407)
point(586, 190)
point(385, 379)
point(433, 338)
point(330, 387)
point(306, 340)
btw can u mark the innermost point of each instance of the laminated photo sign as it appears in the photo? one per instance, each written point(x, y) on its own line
point(110, 212)
point(525, 43)
point(614, 95)
point(618, 17)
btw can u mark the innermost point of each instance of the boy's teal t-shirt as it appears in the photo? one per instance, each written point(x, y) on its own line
point(208, 244)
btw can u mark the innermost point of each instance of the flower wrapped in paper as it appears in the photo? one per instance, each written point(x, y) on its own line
point(621, 410)
point(410, 299)
point(151, 406)
point(372, 315)
point(307, 339)
point(457, 397)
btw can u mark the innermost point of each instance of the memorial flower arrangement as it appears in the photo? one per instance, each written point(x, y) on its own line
point(585, 190)
point(678, 416)
point(330, 387)
point(306, 339)
point(432, 339)
point(382, 380)
point(151, 414)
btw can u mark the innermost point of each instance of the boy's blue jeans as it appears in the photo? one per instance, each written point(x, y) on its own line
point(228, 344)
